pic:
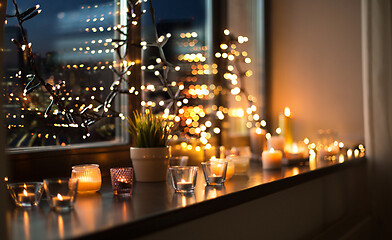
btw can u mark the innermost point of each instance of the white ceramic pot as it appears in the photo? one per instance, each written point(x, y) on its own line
point(150, 164)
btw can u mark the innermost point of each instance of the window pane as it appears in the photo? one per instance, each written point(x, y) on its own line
point(72, 43)
point(188, 47)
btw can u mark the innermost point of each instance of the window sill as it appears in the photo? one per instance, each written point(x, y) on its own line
point(155, 206)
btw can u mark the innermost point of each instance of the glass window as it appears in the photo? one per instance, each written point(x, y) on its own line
point(72, 43)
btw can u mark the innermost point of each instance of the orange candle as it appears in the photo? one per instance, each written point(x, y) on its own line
point(272, 159)
point(217, 167)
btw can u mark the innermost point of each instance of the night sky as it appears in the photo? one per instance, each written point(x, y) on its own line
point(42, 30)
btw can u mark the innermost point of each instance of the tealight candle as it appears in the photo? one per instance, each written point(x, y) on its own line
point(26, 196)
point(272, 159)
point(217, 167)
point(61, 201)
point(294, 153)
point(183, 185)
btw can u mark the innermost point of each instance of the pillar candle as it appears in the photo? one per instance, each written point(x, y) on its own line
point(257, 142)
point(276, 142)
point(285, 124)
point(272, 159)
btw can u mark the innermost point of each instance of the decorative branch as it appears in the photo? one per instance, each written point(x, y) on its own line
point(86, 116)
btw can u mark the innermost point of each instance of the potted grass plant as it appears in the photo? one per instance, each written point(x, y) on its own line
point(150, 155)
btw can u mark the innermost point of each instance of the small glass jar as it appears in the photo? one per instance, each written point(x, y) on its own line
point(61, 193)
point(89, 176)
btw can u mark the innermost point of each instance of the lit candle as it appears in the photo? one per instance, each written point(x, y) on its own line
point(26, 197)
point(356, 153)
point(272, 159)
point(89, 176)
point(349, 153)
point(215, 178)
point(183, 185)
point(329, 151)
point(88, 184)
point(217, 167)
point(61, 201)
point(285, 124)
point(257, 142)
point(294, 153)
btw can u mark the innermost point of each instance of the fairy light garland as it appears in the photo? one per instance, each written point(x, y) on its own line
point(87, 114)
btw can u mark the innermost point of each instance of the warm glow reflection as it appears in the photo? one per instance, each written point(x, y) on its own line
point(295, 171)
point(341, 158)
point(26, 223)
point(312, 160)
point(61, 226)
point(183, 200)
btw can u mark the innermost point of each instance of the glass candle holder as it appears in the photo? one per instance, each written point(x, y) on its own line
point(230, 166)
point(26, 194)
point(213, 151)
point(214, 172)
point(183, 178)
point(122, 180)
point(178, 161)
point(89, 177)
point(61, 193)
point(241, 164)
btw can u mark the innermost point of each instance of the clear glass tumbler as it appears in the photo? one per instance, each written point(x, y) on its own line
point(61, 193)
point(214, 172)
point(183, 178)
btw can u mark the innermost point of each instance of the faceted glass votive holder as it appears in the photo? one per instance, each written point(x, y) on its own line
point(89, 176)
point(178, 161)
point(26, 194)
point(61, 193)
point(214, 172)
point(122, 180)
point(183, 178)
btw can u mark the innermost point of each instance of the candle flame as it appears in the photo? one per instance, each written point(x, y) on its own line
point(295, 148)
point(60, 197)
point(182, 180)
point(287, 112)
point(25, 192)
point(272, 150)
point(213, 175)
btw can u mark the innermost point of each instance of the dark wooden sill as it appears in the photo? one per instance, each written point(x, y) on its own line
point(155, 206)
point(34, 166)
